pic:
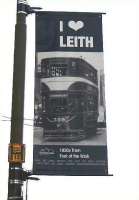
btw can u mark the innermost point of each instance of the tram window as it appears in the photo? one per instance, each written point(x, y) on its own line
point(64, 101)
point(57, 70)
point(73, 64)
point(39, 68)
point(90, 102)
point(44, 103)
point(71, 101)
point(89, 88)
point(57, 102)
point(92, 76)
point(43, 69)
point(53, 101)
point(72, 104)
point(76, 103)
point(90, 105)
point(82, 104)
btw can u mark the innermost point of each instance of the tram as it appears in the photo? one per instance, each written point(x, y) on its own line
point(69, 98)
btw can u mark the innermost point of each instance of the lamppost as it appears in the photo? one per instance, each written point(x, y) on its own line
point(16, 155)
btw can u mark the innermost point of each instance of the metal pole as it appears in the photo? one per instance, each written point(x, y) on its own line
point(16, 147)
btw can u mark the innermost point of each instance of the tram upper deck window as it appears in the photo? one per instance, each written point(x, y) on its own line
point(56, 70)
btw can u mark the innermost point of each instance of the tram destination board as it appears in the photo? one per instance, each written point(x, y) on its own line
point(69, 108)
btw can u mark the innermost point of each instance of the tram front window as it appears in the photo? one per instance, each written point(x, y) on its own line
point(76, 103)
point(57, 105)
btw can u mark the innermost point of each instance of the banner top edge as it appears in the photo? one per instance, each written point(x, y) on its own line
point(70, 12)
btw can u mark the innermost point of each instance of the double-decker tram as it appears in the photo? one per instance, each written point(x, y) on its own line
point(69, 98)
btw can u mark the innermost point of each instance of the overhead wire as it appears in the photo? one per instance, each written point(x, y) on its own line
point(8, 119)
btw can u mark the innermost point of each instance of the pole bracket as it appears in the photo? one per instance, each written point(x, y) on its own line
point(27, 175)
point(24, 7)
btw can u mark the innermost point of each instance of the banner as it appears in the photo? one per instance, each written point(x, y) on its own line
point(70, 113)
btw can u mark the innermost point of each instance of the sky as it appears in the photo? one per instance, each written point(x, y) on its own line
point(120, 63)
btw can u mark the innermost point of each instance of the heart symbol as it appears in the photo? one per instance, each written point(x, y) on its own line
point(76, 25)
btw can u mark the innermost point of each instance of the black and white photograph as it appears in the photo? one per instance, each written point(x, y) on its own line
point(70, 99)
